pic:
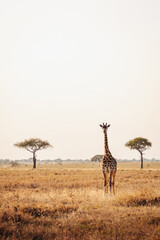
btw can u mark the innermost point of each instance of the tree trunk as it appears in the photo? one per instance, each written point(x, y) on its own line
point(34, 160)
point(141, 159)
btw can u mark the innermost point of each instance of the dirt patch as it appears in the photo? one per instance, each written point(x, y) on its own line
point(155, 221)
point(16, 218)
point(144, 202)
point(38, 212)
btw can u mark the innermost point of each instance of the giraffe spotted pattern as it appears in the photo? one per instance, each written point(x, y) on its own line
point(108, 163)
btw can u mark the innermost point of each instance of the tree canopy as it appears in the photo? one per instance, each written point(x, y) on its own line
point(33, 144)
point(140, 144)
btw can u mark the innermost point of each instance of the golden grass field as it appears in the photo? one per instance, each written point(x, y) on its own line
point(66, 202)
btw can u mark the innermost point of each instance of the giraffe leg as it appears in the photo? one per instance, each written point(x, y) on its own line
point(114, 174)
point(110, 183)
point(107, 173)
point(105, 182)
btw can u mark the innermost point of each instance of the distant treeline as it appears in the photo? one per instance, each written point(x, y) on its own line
point(96, 158)
point(30, 161)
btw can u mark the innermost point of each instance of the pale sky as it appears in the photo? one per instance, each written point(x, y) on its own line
point(67, 66)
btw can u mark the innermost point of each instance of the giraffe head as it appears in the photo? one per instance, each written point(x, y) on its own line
point(104, 127)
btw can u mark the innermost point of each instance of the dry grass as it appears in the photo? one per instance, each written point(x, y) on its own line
point(66, 202)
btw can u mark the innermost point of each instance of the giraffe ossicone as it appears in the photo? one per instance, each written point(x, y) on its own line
point(109, 164)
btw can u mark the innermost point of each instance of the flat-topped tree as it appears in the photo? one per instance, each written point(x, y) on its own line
point(140, 144)
point(33, 145)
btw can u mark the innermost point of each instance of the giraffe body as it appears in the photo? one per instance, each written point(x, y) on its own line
point(109, 164)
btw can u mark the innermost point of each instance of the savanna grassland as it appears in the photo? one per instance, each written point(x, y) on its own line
point(66, 202)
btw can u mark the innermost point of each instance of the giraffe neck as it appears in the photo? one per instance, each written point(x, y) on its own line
point(106, 148)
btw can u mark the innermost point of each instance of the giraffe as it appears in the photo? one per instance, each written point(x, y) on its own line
point(109, 164)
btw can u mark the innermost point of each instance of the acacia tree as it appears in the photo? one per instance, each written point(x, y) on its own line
point(33, 145)
point(96, 158)
point(140, 144)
